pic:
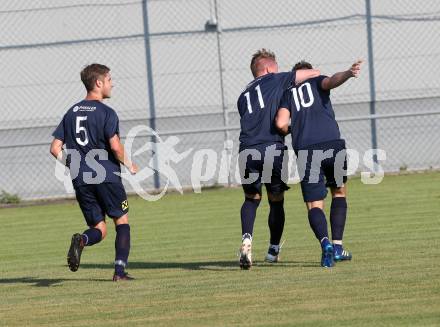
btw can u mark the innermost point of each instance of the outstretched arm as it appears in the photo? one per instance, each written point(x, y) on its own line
point(282, 120)
point(304, 74)
point(337, 79)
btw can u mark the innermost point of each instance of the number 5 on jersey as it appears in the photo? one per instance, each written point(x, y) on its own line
point(80, 129)
point(260, 99)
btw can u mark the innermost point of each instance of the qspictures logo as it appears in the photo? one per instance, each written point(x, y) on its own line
point(209, 166)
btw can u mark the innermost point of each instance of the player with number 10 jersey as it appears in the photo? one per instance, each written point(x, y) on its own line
point(322, 160)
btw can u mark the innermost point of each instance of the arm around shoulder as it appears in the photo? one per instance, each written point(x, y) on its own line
point(305, 74)
point(282, 120)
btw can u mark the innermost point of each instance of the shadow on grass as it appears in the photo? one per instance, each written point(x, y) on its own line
point(206, 265)
point(45, 282)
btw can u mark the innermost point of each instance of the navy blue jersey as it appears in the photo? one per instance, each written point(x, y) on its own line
point(258, 105)
point(312, 116)
point(88, 126)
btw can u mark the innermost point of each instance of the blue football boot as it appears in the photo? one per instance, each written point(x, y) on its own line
point(327, 258)
point(340, 253)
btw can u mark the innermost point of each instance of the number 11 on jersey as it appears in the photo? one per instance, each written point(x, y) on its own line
point(260, 98)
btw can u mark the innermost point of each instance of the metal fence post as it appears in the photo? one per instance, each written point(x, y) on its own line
point(214, 22)
point(372, 79)
point(149, 66)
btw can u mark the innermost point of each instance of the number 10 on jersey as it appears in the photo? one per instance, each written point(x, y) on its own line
point(300, 91)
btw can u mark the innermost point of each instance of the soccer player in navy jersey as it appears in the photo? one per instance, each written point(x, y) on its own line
point(321, 154)
point(89, 131)
point(262, 149)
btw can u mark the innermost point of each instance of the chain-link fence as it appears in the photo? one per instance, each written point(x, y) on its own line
point(178, 67)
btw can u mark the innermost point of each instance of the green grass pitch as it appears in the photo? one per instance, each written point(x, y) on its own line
point(183, 255)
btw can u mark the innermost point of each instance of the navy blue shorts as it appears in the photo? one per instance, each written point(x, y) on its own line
point(257, 168)
point(320, 166)
point(98, 200)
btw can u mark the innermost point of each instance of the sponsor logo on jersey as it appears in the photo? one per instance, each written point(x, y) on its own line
point(85, 108)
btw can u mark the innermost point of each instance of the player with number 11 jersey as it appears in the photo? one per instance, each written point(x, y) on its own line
point(262, 149)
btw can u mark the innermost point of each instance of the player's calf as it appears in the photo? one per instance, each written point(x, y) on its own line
point(122, 245)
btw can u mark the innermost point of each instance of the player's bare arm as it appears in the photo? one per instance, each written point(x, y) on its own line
point(305, 74)
point(339, 78)
point(119, 152)
point(56, 149)
point(282, 120)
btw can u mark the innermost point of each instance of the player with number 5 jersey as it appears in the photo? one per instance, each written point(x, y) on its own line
point(262, 149)
point(89, 133)
point(87, 126)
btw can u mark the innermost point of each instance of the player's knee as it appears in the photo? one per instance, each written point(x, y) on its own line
point(255, 196)
point(275, 197)
point(103, 228)
point(339, 192)
point(315, 204)
point(121, 220)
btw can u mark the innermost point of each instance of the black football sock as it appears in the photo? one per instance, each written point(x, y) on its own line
point(248, 213)
point(122, 247)
point(276, 221)
point(91, 236)
point(318, 223)
point(338, 215)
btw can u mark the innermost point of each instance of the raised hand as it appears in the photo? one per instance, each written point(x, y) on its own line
point(355, 69)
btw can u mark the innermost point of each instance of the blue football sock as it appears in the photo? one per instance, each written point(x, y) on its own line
point(91, 236)
point(122, 247)
point(338, 215)
point(248, 213)
point(318, 223)
point(276, 221)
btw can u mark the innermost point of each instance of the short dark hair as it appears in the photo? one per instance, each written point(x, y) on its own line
point(302, 65)
point(91, 73)
point(260, 54)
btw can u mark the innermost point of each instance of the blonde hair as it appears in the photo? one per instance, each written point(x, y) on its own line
point(257, 56)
